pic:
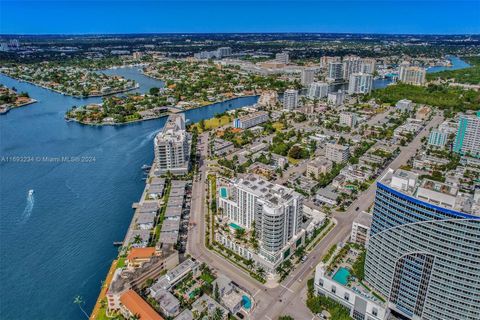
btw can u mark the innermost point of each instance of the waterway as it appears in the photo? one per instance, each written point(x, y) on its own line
point(57, 243)
point(457, 63)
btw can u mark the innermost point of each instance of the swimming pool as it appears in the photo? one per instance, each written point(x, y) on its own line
point(223, 193)
point(235, 226)
point(246, 302)
point(341, 276)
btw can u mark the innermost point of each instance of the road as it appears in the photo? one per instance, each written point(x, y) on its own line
point(289, 296)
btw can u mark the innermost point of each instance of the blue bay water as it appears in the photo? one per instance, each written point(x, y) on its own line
point(57, 243)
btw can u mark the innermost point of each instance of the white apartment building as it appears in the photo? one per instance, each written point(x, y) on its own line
point(348, 119)
point(361, 229)
point(224, 52)
point(318, 90)
point(290, 99)
point(336, 98)
point(368, 65)
point(275, 210)
point(411, 74)
point(337, 152)
point(308, 76)
point(351, 65)
point(404, 105)
point(282, 57)
point(360, 83)
point(172, 146)
point(335, 71)
point(250, 120)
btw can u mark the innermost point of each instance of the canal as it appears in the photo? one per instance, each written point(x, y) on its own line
point(57, 243)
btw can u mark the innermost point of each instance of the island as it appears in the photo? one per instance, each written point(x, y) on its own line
point(118, 110)
point(10, 99)
point(196, 83)
point(68, 80)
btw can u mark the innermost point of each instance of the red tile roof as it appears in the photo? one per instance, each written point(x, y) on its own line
point(137, 306)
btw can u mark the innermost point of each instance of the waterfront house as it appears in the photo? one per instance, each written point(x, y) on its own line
point(133, 305)
point(145, 220)
point(138, 256)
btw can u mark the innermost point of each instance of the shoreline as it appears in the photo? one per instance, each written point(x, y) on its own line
point(115, 123)
point(32, 101)
point(165, 115)
point(71, 95)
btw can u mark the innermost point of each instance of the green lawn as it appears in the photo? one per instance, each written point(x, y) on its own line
point(277, 126)
point(214, 123)
point(207, 277)
point(121, 262)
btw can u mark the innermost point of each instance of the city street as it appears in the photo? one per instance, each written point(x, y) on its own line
point(270, 303)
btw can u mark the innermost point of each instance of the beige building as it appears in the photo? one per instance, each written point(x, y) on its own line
point(411, 74)
point(319, 166)
point(337, 152)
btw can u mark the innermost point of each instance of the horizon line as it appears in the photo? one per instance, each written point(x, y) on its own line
point(232, 32)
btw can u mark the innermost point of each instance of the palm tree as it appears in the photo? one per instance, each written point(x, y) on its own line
point(78, 300)
point(217, 314)
point(137, 239)
point(261, 272)
point(134, 317)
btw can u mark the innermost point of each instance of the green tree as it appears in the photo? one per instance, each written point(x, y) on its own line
point(217, 314)
point(154, 91)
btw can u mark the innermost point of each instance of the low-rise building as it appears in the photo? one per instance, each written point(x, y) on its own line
point(222, 147)
point(437, 138)
point(138, 256)
point(336, 98)
point(423, 113)
point(327, 196)
point(168, 303)
point(404, 105)
point(250, 120)
point(174, 276)
point(319, 166)
point(132, 304)
point(207, 304)
point(348, 119)
point(360, 303)
point(126, 279)
point(361, 229)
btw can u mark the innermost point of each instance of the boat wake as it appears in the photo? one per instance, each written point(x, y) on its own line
point(146, 139)
point(27, 212)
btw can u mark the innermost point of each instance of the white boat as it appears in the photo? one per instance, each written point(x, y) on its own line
point(30, 192)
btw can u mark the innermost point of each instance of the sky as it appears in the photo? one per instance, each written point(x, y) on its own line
point(336, 16)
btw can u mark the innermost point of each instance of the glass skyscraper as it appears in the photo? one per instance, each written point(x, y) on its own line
point(423, 255)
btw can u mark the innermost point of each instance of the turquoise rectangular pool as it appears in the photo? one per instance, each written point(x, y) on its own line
point(341, 276)
point(223, 193)
point(235, 226)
